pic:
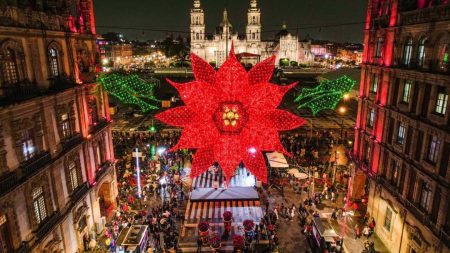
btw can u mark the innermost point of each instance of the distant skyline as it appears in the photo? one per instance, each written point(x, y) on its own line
point(136, 18)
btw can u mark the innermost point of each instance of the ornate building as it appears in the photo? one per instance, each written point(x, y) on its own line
point(249, 48)
point(56, 157)
point(402, 143)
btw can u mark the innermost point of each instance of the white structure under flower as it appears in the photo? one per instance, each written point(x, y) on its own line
point(249, 48)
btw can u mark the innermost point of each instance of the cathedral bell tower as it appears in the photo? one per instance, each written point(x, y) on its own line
point(197, 23)
point(253, 31)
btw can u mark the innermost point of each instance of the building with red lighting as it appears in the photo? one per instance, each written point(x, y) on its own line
point(57, 179)
point(402, 142)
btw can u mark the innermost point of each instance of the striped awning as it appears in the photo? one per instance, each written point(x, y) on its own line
point(241, 178)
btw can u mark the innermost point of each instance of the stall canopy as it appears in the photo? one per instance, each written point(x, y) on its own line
point(277, 160)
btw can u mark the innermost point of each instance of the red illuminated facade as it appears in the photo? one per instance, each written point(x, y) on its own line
point(402, 143)
point(230, 116)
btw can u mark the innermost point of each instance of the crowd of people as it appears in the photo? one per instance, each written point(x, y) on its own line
point(155, 198)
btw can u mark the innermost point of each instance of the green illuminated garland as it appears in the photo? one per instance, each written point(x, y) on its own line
point(326, 95)
point(130, 89)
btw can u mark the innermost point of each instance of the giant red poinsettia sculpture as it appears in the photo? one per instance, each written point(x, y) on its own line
point(230, 116)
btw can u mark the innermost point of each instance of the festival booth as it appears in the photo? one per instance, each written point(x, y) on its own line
point(277, 163)
point(325, 237)
point(132, 239)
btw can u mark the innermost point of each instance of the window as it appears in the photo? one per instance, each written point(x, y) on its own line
point(374, 85)
point(407, 52)
point(433, 149)
point(425, 193)
point(254, 20)
point(371, 118)
point(406, 92)
point(40, 211)
point(421, 52)
point(388, 219)
point(66, 127)
point(53, 57)
point(441, 102)
point(28, 144)
point(10, 70)
point(99, 154)
point(401, 133)
point(368, 153)
point(74, 175)
point(444, 57)
point(379, 48)
point(395, 172)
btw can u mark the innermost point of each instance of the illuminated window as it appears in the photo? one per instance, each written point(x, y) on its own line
point(388, 219)
point(374, 85)
point(379, 47)
point(421, 52)
point(401, 133)
point(441, 102)
point(407, 52)
point(433, 149)
point(444, 57)
point(371, 118)
point(74, 175)
point(425, 193)
point(53, 57)
point(28, 144)
point(66, 128)
point(395, 172)
point(10, 68)
point(406, 92)
point(40, 211)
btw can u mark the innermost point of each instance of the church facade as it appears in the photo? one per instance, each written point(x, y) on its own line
point(249, 48)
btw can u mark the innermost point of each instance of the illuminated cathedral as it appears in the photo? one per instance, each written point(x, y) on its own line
point(249, 48)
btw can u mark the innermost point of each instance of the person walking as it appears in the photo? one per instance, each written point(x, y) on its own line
point(366, 231)
point(357, 232)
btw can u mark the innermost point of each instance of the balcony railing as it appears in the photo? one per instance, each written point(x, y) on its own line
point(102, 170)
point(99, 126)
point(72, 142)
point(79, 193)
point(45, 228)
point(33, 165)
point(7, 182)
point(425, 15)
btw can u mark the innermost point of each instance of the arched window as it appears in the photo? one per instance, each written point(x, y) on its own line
point(53, 58)
point(421, 52)
point(407, 52)
point(10, 66)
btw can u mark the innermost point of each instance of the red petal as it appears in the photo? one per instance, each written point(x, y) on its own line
point(228, 153)
point(198, 96)
point(263, 96)
point(202, 160)
point(231, 79)
point(203, 71)
point(262, 72)
point(256, 164)
point(283, 120)
point(200, 133)
point(179, 116)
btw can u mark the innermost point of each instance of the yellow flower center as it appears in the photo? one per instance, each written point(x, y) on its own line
point(230, 117)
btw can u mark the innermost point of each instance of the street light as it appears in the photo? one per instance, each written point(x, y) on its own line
point(342, 110)
point(346, 96)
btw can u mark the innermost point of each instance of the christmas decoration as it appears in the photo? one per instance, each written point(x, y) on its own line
point(326, 95)
point(130, 89)
point(231, 116)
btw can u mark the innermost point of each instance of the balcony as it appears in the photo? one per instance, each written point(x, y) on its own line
point(98, 126)
point(26, 90)
point(102, 170)
point(7, 182)
point(74, 141)
point(30, 167)
point(425, 15)
point(79, 193)
point(47, 226)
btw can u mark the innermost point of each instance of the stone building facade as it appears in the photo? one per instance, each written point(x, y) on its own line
point(250, 47)
point(402, 143)
point(56, 157)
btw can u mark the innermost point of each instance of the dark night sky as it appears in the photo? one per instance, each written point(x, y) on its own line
point(174, 15)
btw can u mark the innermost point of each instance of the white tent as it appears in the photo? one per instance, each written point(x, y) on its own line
point(277, 160)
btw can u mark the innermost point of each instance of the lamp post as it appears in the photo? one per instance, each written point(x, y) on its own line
point(138, 154)
point(342, 110)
